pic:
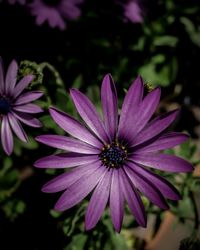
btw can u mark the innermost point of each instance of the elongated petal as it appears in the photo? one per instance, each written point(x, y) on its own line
point(6, 136)
point(67, 143)
point(166, 188)
point(65, 160)
point(147, 188)
point(1, 77)
point(28, 97)
point(22, 84)
point(116, 201)
point(165, 141)
point(27, 119)
point(28, 108)
point(65, 180)
point(131, 103)
point(98, 201)
point(17, 128)
point(11, 77)
point(80, 189)
point(73, 127)
point(109, 105)
point(89, 114)
point(169, 163)
point(155, 127)
point(133, 199)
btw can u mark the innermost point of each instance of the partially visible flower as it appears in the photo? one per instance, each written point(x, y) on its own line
point(112, 157)
point(22, 2)
point(133, 11)
point(55, 12)
point(16, 106)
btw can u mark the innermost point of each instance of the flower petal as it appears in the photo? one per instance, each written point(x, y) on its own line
point(89, 114)
point(65, 180)
point(131, 103)
point(169, 163)
point(67, 143)
point(28, 108)
point(6, 136)
point(80, 189)
point(17, 128)
point(65, 160)
point(155, 127)
point(22, 84)
point(165, 187)
point(133, 199)
point(147, 188)
point(11, 78)
point(27, 119)
point(28, 97)
point(109, 105)
point(73, 127)
point(1, 77)
point(98, 201)
point(116, 201)
point(165, 141)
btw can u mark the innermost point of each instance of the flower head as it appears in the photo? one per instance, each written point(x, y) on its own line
point(16, 106)
point(113, 157)
point(133, 11)
point(55, 11)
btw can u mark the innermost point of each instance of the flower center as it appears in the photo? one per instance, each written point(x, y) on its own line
point(52, 3)
point(4, 106)
point(113, 155)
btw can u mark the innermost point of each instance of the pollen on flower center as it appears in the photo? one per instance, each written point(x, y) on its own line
point(4, 106)
point(113, 155)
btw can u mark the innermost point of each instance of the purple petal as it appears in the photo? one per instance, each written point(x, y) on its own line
point(6, 136)
point(131, 103)
point(1, 77)
point(80, 189)
point(133, 199)
point(155, 127)
point(169, 163)
point(73, 127)
point(147, 188)
point(22, 84)
point(89, 114)
point(28, 108)
point(65, 180)
point(165, 141)
point(67, 143)
point(27, 119)
point(109, 105)
point(98, 201)
point(11, 77)
point(166, 188)
point(65, 160)
point(17, 128)
point(28, 97)
point(116, 201)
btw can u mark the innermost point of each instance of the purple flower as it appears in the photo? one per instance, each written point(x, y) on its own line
point(133, 11)
point(22, 2)
point(54, 12)
point(16, 106)
point(112, 157)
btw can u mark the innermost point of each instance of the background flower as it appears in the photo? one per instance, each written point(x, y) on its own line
point(133, 11)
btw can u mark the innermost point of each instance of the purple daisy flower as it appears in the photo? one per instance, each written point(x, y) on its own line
point(54, 12)
point(16, 106)
point(112, 157)
point(133, 11)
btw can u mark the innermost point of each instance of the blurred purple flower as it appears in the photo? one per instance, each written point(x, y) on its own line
point(133, 12)
point(22, 2)
point(16, 106)
point(111, 157)
point(54, 12)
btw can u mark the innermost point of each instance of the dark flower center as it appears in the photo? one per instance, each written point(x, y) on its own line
point(4, 106)
point(113, 155)
point(52, 3)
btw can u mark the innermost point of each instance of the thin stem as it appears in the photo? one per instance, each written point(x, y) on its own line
point(196, 215)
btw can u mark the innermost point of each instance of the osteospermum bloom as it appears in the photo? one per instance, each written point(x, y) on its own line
point(55, 11)
point(112, 157)
point(133, 11)
point(16, 106)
